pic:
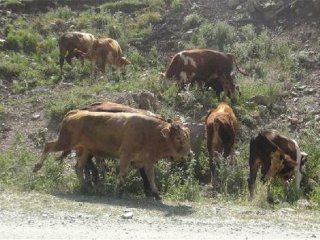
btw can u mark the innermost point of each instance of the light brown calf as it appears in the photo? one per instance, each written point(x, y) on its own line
point(105, 51)
point(136, 139)
point(221, 126)
point(70, 41)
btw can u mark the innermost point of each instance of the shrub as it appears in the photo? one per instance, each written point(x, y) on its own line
point(148, 18)
point(191, 21)
point(23, 40)
point(16, 164)
point(177, 5)
point(181, 183)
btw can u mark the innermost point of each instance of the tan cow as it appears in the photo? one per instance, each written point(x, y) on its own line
point(277, 155)
point(221, 126)
point(70, 41)
point(135, 138)
point(91, 170)
point(105, 51)
point(204, 66)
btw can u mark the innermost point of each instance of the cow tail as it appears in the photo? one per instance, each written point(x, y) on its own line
point(235, 63)
point(252, 151)
point(210, 133)
point(227, 136)
point(212, 164)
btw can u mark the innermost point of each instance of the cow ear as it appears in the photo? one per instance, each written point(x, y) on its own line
point(304, 157)
point(165, 132)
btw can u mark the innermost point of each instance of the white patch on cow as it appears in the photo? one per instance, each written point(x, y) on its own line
point(297, 172)
point(187, 59)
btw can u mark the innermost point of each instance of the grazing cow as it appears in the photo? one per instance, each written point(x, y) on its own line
point(91, 171)
point(277, 155)
point(139, 140)
point(70, 41)
point(221, 125)
point(104, 51)
point(203, 65)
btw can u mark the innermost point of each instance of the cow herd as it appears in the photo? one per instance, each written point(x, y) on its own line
point(140, 138)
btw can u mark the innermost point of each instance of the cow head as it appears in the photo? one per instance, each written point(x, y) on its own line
point(178, 138)
point(123, 62)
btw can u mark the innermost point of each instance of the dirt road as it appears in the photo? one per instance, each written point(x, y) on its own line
point(40, 216)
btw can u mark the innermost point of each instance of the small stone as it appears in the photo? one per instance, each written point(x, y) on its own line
point(293, 120)
point(127, 215)
point(35, 116)
point(302, 87)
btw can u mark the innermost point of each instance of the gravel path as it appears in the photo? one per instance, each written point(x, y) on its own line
point(40, 216)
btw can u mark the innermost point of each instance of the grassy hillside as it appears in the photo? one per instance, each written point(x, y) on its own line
point(32, 83)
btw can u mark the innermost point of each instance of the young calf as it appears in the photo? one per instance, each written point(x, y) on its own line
point(139, 140)
point(221, 126)
point(277, 155)
point(70, 41)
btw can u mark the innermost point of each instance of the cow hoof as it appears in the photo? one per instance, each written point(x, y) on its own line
point(156, 196)
point(37, 167)
point(148, 193)
point(270, 200)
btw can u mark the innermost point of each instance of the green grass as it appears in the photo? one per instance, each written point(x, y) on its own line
point(30, 60)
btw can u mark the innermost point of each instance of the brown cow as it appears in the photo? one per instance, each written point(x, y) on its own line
point(277, 155)
point(135, 138)
point(91, 170)
point(221, 126)
point(104, 51)
point(203, 65)
point(70, 41)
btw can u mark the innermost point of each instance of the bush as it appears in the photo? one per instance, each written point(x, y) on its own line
point(191, 21)
point(23, 40)
point(177, 5)
point(16, 166)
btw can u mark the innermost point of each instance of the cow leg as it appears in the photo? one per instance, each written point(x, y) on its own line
point(124, 166)
point(149, 169)
point(254, 167)
point(275, 167)
point(269, 194)
point(146, 184)
point(101, 166)
point(69, 56)
point(210, 147)
point(63, 52)
point(81, 162)
point(286, 190)
point(63, 155)
point(91, 171)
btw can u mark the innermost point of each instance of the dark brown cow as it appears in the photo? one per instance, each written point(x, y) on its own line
point(203, 65)
point(277, 155)
point(104, 51)
point(139, 140)
point(221, 126)
point(70, 41)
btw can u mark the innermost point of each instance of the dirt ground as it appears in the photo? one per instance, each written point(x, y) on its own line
point(40, 216)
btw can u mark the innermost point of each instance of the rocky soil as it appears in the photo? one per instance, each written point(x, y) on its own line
point(38, 216)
